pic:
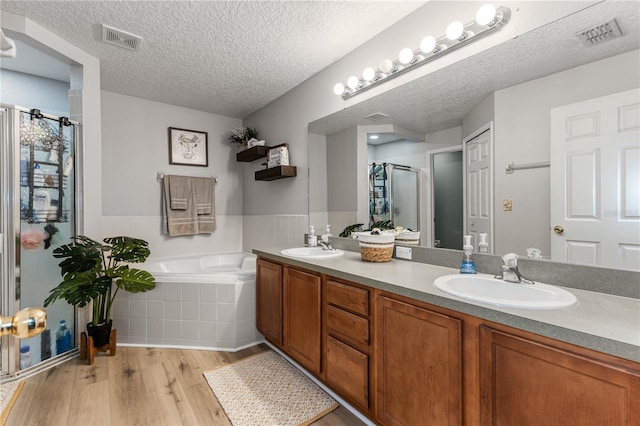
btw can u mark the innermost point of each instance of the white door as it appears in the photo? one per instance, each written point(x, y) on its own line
point(478, 184)
point(595, 181)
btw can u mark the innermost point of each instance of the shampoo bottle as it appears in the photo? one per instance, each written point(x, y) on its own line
point(312, 239)
point(468, 266)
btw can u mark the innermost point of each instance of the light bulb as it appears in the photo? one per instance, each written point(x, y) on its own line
point(386, 66)
point(486, 14)
point(368, 74)
point(373, 136)
point(405, 56)
point(455, 30)
point(338, 89)
point(353, 82)
point(428, 44)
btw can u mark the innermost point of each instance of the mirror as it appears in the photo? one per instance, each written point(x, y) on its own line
point(512, 88)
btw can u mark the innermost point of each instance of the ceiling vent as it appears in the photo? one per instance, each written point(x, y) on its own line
point(376, 116)
point(599, 33)
point(120, 38)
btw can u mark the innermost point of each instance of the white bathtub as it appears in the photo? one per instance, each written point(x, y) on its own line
point(202, 302)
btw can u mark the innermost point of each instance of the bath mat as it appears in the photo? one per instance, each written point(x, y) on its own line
point(8, 394)
point(265, 389)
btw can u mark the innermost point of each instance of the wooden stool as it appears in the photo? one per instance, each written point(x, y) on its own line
point(88, 350)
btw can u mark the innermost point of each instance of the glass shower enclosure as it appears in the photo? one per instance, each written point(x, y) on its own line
point(38, 187)
point(393, 195)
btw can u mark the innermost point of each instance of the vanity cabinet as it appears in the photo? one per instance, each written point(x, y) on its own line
point(419, 365)
point(526, 381)
point(269, 300)
point(348, 342)
point(302, 318)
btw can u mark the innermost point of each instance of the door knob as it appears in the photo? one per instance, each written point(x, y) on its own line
point(26, 323)
point(558, 229)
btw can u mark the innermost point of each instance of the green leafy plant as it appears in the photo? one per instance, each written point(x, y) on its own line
point(95, 272)
point(242, 135)
point(346, 232)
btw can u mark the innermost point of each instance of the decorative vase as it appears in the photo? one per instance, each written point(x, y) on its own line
point(100, 333)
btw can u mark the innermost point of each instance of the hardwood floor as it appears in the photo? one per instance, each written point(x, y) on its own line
point(139, 386)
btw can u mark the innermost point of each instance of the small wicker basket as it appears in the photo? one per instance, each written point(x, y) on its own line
point(376, 248)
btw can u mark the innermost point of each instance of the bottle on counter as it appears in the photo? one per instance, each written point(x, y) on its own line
point(312, 238)
point(468, 265)
point(63, 338)
point(25, 357)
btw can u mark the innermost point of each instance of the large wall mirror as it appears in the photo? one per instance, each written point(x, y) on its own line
point(511, 142)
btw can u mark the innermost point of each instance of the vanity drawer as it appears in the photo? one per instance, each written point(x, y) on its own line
point(343, 323)
point(348, 372)
point(347, 297)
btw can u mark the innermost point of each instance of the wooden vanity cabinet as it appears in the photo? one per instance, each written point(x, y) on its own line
point(302, 318)
point(419, 365)
point(269, 300)
point(347, 334)
point(528, 380)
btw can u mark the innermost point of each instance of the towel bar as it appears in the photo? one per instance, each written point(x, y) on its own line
point(160, 177)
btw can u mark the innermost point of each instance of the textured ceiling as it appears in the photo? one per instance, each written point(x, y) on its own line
point(224, 57)
point(441, 99)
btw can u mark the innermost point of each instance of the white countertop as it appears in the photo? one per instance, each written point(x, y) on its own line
point(600, 321)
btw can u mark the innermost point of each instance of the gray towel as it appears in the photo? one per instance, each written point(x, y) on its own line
point(204, 189)
point(181, 222)
point(179, 189)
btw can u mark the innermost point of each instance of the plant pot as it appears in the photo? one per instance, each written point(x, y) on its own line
point(100, 333)
point(376, 248)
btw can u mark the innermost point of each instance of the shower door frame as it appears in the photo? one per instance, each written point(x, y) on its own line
point(10, 229)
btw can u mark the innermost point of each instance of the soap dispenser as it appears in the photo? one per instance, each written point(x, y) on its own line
point(312, 238)
point(468, 266)
point(327, 234)
point(483, 245)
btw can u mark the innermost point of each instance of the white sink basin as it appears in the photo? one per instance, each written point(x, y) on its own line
point(485, 288)
point(311, 252)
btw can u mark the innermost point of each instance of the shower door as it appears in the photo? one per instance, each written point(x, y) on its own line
point(38, 188)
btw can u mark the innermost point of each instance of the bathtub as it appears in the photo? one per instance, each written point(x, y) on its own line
point(200, 302)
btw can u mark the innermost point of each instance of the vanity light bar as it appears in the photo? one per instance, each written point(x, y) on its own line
point(488, 21)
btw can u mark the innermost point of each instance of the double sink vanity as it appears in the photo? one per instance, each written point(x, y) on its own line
point(410, 343)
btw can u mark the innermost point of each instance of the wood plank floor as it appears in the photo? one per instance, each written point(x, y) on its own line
point(139, 386)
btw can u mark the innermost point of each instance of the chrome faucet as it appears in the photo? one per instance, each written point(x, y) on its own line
point(509, 271)
point(326, 245)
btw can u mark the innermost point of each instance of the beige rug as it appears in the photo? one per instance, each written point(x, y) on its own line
point(265, 389)
point(8, 394)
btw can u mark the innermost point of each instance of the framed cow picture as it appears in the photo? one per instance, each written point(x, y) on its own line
point(188, 147)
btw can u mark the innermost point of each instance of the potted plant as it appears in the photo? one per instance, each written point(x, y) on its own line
point(95, 272)
point(242, 135)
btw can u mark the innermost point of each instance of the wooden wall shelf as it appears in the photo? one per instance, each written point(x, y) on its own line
point(278, 172)
point(252, 154)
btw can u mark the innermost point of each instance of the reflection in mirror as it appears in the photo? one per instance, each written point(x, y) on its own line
point(514, 90)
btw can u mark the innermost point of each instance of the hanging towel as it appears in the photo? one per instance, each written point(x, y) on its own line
point(204, 189)
point(204, 194)
point(179, 191)
point(181, 221)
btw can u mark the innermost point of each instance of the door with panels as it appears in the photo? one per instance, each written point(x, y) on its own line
point(595, 181)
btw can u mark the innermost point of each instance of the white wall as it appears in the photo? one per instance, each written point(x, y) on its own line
point(135, 148)
point(285, 120)
point(30, 91)
point(522, 128)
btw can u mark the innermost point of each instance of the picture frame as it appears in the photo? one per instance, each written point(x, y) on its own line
point(188, 147)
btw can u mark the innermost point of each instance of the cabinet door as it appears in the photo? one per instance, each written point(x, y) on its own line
point(302, 296)
point(419, 365)
point(525, 382)
point(348, 372)
point(269, 300)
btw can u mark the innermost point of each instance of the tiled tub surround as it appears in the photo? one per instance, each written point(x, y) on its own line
point(602, 321)
point(211, 308)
